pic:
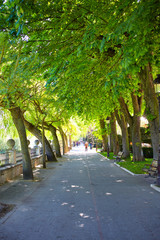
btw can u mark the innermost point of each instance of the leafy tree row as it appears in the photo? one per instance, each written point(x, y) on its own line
point(95, 59)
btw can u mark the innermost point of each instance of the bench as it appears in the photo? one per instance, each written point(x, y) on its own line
point(151, 169)
point(118, 158)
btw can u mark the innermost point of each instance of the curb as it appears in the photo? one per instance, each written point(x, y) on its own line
point(155, 187)
point(103, 156)
point(126, 170)
point(133, 174)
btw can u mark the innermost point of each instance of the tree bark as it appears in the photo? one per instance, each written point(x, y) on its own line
point(37, 133)
point(114, 134)
point(65, 148)
point(104, 135)
point(53, 130)
point(136, 140)
point(43, 144)
point(111, 144)
point(125, 139)
point(152, 112)
point(66, 143)
point(70, 141)
point(134, 122)
point(17, 117)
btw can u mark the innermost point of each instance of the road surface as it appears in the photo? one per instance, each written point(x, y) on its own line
point(82, 197)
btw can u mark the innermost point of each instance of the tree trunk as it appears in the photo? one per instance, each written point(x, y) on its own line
point(70, 141)
point(104, 135)
point(111, 144)
point(154, 138)
point(136, 140)
point(134, 122)
point(114, 135)
point(66, 143)
point(43, 144)
point(152, 111)
point(37, 133)
point(63, 140)
point(135, 127)
point(125, 139)
point(18, 121)
point(55, 140)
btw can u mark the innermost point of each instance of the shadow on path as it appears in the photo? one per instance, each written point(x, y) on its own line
point(83, 196)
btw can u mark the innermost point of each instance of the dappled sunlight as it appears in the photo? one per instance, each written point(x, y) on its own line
point(24, 209)
point(119, 180)
point(81, 225)
point(112, 165)
point(83, 215)
point(108, 193)
point(64, 181)
point(75, 186)
point(102, 160)
point(144, 190)
point(151, 192)
point(79, 159)
point(63, 204)
point(68, 190)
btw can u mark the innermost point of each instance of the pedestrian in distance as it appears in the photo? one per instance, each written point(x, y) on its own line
point(86, 146)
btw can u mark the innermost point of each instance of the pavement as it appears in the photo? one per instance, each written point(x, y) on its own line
point(82, 197)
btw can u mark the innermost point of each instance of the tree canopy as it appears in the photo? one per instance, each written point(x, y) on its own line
point(67, 58)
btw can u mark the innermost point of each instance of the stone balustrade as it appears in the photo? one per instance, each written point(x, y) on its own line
point(11, 161)
point(11, 157)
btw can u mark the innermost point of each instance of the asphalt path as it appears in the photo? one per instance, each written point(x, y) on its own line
point(82, 197)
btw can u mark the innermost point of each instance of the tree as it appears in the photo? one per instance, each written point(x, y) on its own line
point(36, 132)
point(151, 111)
point(104, 134)
point(55, 140)
point(11, 85)
point(86, 43)
point(125, 139)
point(134, 122)
point(114, 136)
point(18, 121)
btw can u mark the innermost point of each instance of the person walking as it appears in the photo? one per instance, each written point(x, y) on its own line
point(86, 146)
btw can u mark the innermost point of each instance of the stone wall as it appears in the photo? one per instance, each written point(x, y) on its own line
point(10, 172)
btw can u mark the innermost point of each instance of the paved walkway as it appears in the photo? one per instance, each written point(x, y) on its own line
point(82, 197)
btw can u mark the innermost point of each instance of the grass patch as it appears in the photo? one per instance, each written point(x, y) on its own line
point(135, 167)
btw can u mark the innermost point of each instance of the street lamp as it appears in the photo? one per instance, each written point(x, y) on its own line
point(157, 90)
point(108, 122)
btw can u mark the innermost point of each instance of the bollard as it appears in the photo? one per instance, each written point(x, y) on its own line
point(12, 156)
point(37, 148)
point(11, 151)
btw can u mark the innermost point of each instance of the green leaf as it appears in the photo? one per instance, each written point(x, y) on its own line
point(102, 44)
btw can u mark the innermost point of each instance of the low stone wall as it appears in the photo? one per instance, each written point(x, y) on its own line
point(10, 172)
